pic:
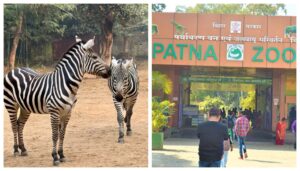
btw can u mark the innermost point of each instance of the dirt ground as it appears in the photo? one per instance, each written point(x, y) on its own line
point(92, 132)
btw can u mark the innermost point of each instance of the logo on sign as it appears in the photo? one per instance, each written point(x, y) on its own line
point(235, 27)
point(235, 52)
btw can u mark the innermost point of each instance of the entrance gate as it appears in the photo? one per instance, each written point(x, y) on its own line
point(191, 116)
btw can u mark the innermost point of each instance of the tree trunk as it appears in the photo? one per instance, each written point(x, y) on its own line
point(106, 39)
point(125, 46)
point(12, 54)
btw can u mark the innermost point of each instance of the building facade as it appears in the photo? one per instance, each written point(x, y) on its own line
point(206, 52)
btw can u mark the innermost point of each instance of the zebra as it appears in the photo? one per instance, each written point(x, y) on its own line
point(52, 93)
point(124, 85)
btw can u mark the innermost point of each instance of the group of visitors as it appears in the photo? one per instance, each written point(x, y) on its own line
point(253, 116)
point(216, 137)
point(219, 132)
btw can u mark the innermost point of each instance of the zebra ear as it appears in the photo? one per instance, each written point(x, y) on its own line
point(89, 44)
point(114, 62)
point(128, 63)
point(78, 39)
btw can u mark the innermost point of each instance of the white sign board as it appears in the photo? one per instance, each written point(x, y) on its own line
point(235, 26)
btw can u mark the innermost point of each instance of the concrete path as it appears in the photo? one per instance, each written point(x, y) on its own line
point(180, 152)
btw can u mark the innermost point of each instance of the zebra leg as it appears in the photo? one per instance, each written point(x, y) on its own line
point(21, 123)
point(127, 120)
point(14, 125)
point(120, 118)
point(55, 129)
point(62, 130)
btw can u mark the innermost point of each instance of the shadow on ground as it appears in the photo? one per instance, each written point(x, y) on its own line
point(262, 161)
point(169, 161)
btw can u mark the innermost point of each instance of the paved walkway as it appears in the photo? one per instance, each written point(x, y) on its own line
point(180, 152)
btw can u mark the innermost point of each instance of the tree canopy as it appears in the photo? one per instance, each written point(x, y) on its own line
point(158, 7)
point(41, 22)
point(253, 9)
point(32, 25)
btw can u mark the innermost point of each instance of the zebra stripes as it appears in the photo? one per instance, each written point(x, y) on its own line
point(52, 93)
point(124, 85)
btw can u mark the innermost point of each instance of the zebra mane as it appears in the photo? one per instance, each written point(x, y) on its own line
point(66, 52)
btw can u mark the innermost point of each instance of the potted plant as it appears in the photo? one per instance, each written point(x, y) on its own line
point(161, 110)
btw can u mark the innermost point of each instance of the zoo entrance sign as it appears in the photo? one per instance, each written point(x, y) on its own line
point(235, 52)
point(236, 42)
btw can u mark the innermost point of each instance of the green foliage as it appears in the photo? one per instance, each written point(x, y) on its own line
point(216, 8)
point(229, 93)
point(161, 82)
point(249, 101)
point(42, 22)
point(127, 18)
point(161, 110)
point(158, 7)
point(154, 29)
point(180, 29)
point(253, 9)
point(264, 9)
point(45, 23)
point(210, 102)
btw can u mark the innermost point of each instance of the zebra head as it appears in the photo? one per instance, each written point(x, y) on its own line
point(120, 77)
point(94, 64)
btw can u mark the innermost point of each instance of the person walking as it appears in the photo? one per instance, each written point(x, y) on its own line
point(226, 147)
point(281, 131)
point(230, 124)
point(223, 113)
point(241, 129)
point(213, 137)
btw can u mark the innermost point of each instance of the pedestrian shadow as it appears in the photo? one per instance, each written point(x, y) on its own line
point(262, 161)
point(272, 147)
point(266, 146)
point(164, 160)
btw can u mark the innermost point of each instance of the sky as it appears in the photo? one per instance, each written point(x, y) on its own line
point(291, 8)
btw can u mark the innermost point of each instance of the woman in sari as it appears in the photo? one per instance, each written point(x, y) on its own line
point(281, 131)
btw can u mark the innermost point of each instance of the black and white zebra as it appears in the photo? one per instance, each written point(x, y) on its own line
point(124, 85)
point(52, 93)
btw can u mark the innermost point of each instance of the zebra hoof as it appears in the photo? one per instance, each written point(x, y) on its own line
point(16, 154)
point(62, 159)
point(121, 141)
point(24, 153)
point(129, 133)
point(56, 163)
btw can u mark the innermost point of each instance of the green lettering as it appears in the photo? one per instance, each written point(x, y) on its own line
point(268, 54)
point(293, 55)
point(210, 52)
point(157, 48)
point(259, 49)
point(181, 49)
point(196, 52)
point(170, 52)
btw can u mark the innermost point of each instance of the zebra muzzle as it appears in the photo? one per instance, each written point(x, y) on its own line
point(119, 97)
